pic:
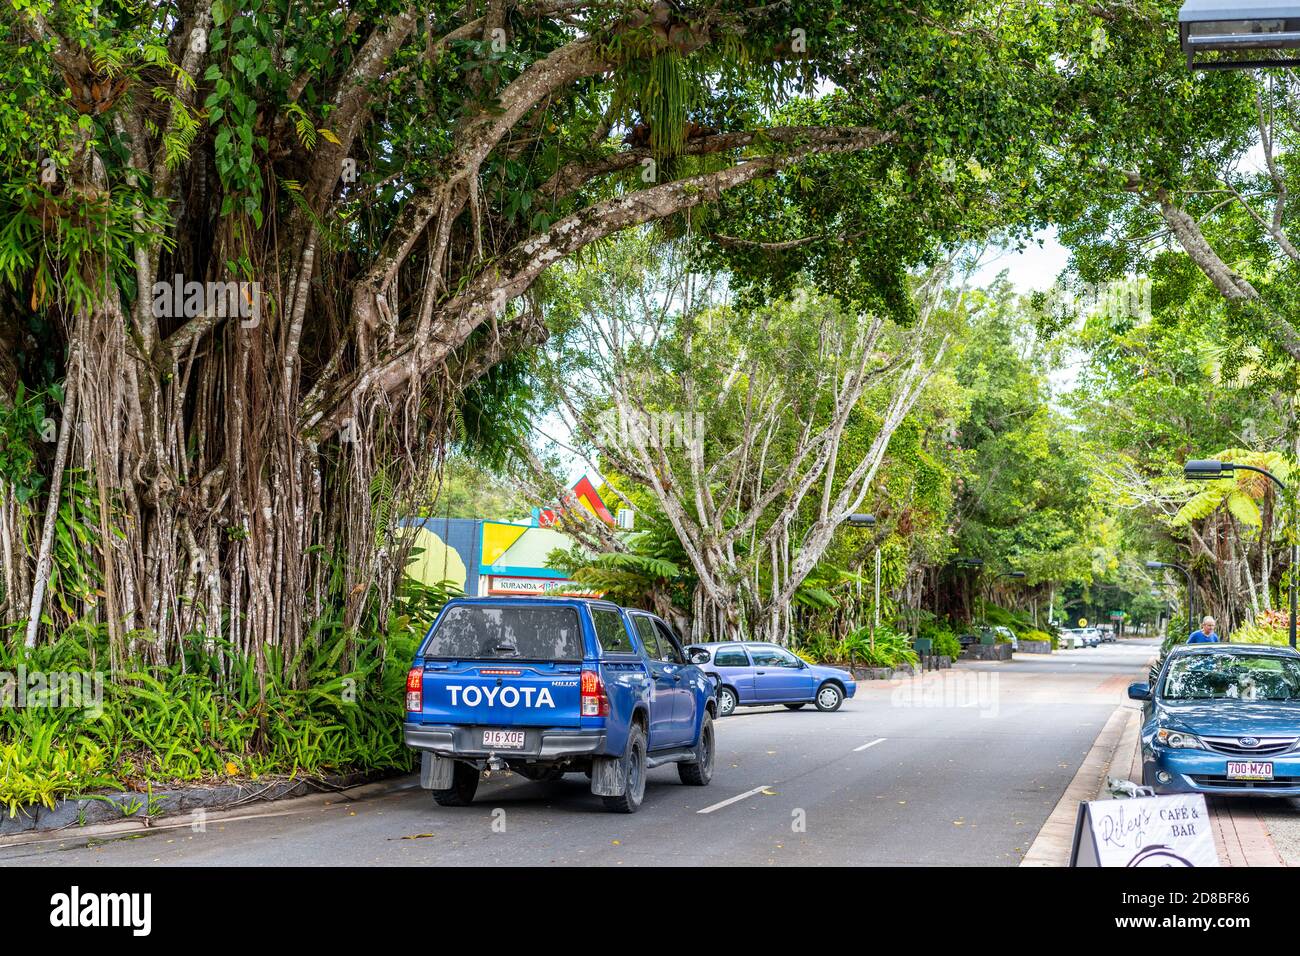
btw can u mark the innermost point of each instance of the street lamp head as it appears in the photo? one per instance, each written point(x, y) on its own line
point(1156, 565)
point(1014, 574)
point(1234, 26)
point(970, 562)
point(1206, 469)
point(862, 521)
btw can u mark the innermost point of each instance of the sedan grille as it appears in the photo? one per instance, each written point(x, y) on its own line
point(1233, 747)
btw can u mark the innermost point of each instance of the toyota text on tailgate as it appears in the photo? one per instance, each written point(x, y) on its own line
point(549, 686)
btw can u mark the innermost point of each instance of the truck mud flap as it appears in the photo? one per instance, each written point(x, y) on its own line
point(436, 772)
point(607, 776)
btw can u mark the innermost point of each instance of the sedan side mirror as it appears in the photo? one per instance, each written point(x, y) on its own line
point(1139, 691)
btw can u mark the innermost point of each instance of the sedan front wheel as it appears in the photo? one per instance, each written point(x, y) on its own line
point(829, 698)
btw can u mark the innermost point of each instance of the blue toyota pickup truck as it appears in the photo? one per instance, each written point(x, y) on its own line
point(548, 686)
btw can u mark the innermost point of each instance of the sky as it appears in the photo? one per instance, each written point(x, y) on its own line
point(1032, 269)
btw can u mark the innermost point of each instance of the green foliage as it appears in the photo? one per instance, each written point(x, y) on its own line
point(942, 637)
point(205, 723)
point(211, 718)
point(21, 428)
point(888, 649)
point(1026, 493)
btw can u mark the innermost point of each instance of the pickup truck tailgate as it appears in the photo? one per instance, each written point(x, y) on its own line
point(533, 694)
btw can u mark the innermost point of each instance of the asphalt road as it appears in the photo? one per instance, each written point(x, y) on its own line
point(959, 768)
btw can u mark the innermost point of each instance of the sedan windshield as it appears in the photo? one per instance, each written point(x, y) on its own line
point(1232, 677)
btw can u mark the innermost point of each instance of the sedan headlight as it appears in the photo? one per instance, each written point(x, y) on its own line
point(1178, 739)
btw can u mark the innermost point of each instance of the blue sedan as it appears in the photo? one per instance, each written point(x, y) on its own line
point(755, 674)
point(1223, 718)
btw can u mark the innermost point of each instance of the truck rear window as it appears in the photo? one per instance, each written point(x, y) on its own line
point(507, 633)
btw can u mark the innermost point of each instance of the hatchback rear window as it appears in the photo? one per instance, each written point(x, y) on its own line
point(471, 632)
point(731, 657)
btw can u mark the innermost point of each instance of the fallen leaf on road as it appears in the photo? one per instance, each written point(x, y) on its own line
point(616, 842)
point(418, 836)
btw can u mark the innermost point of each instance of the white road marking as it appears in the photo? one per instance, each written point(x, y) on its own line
point(878, 740)
point(735, 799)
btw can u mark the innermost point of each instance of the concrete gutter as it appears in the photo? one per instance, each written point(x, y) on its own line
point(141, 809)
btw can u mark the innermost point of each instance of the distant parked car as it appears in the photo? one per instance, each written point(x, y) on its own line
point(1069, 638)
point(1108, 635)
point(1091, 637)
point(1006, 635)
point(755, 674)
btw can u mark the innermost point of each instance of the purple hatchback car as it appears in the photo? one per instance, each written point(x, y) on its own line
point(755, 674)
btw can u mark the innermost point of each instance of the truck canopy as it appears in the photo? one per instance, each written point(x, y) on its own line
point(512, 632)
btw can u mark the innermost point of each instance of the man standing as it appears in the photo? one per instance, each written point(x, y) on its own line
point(1206, 634)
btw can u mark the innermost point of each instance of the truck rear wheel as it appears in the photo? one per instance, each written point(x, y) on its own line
point(629, 801)
point(464, 784)
point(698, 772)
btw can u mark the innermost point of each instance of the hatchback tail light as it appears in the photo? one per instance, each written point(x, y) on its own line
point(415, 690)
point(595, 703)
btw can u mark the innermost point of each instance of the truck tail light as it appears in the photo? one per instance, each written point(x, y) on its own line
point(595, 703)
point(415, 690)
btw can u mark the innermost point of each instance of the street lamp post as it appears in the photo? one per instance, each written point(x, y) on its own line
point(869, 521)
point(1239, 30)
point(1162, 565)
point(1208, 469)
point(1231, 28)
point(975, 563)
